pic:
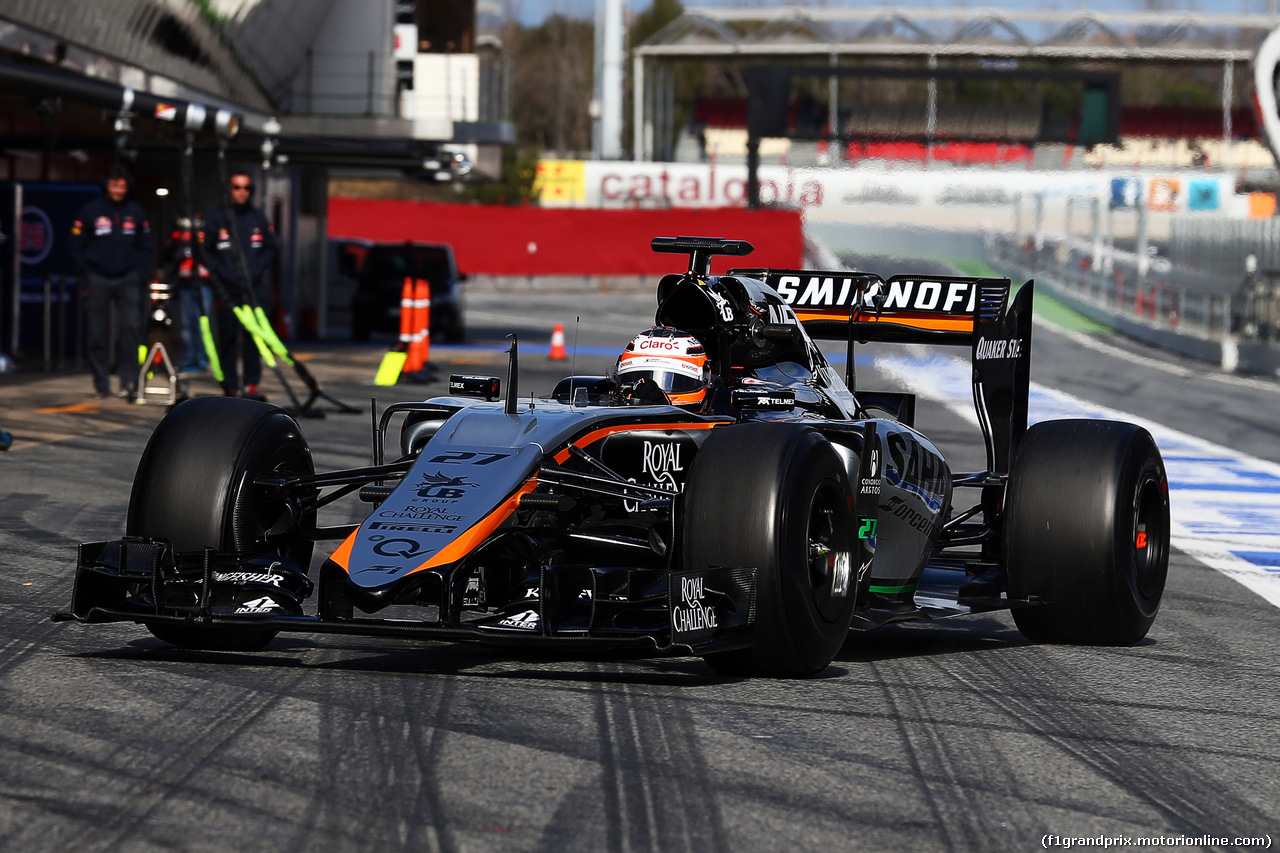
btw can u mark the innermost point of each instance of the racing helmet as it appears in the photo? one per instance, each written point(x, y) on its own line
point(673, 360)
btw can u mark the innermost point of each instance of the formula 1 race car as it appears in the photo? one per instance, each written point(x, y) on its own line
point(754, 525)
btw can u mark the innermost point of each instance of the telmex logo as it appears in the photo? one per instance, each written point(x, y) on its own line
point(899, 293)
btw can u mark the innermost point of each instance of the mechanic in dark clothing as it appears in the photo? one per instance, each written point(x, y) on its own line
point(111, 245)
point(258, 242)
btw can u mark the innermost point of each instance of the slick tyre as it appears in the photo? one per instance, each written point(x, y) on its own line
point(1086, 532)
point(195, 487)
point(776, 497)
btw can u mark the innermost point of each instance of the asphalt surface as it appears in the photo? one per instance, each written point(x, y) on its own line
point(952, 736)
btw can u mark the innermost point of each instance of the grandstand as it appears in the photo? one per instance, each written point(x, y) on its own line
point(1149, 136)
point(1216, 45)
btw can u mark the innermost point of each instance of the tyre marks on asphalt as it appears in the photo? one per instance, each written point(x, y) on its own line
point(1158, 784)
point(941, 762)
point(149, 780)
point(380, 769)
point(1006, 744)
point(658, 791)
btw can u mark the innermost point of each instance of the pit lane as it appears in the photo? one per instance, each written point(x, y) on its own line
point(959, 735)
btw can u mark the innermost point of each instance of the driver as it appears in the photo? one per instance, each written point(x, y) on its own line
point(672, 360)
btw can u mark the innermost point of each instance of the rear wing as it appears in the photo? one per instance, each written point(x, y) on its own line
point(902, 308)
point(956, 310)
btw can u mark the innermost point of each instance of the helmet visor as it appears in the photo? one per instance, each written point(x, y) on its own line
point(667, 380)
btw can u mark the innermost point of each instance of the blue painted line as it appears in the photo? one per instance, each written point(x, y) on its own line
point(1226, 487)
point(1253, 475)
point(1260, 558)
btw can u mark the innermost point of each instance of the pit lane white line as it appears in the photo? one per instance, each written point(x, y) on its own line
point(1224, 505)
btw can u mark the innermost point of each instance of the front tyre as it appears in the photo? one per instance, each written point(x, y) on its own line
point(776, 497)
point(195, 487)
point(1086, 532)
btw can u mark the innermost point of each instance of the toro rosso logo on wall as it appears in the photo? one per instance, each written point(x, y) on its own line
point(896, 294)
point(35, 235)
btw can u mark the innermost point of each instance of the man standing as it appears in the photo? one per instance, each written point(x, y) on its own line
point(249, 227)
point(111, 245)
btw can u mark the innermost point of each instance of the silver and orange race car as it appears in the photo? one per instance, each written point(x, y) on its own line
point(754, 527)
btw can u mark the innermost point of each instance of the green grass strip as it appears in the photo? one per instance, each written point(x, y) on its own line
point(1046, 307)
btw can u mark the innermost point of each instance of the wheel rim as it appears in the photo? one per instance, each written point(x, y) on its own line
point(259, 512)
point(828, 557)
point(1148, 538)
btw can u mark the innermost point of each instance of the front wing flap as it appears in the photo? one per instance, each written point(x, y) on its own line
point(689, 612)
point(146, 577)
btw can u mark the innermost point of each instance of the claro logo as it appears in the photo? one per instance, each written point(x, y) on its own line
point(659, 344)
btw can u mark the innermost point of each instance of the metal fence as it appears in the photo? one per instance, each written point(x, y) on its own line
point(1220, 246)
point(1116, 287)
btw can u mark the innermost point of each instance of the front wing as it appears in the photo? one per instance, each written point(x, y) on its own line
point(650, 610)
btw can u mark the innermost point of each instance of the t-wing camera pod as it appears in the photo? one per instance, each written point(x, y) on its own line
point(700, 250)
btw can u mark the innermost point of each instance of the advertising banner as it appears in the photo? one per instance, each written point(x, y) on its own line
point(560, 183)
point(1126, 191)
point(1203, 194)
point(623, 184)
point(1262, 205)
point(44, 251)
point(1165, 194)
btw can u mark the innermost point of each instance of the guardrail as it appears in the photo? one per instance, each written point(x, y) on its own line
point(1187, 320)
point(1119, 290)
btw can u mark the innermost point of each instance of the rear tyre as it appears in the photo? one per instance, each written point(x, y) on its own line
point(1086, 531)
point(195, 488)
point(776, 497)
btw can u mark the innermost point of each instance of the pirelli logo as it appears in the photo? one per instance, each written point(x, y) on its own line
point(897, 294)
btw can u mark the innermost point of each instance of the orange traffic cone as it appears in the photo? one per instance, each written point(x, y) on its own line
point(419, 346)
point(557, 343)
point(406, 314)
point(424, 317)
